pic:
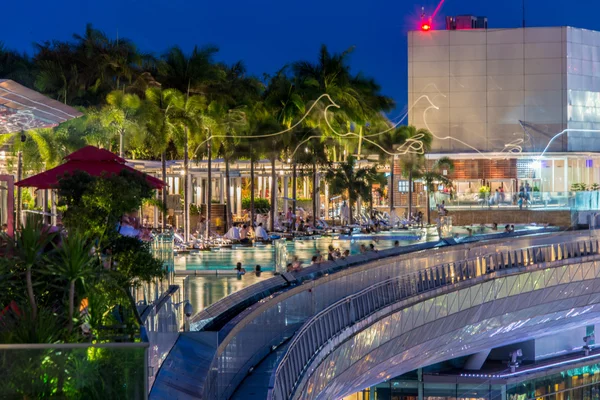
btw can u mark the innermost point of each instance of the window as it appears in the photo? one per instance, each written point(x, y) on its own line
point(403, 186)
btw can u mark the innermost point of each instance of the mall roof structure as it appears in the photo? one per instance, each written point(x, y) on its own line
point(23, 109)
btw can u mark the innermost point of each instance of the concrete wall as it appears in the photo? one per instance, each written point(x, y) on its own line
point(489, 216)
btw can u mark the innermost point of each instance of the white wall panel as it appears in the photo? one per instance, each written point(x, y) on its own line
point(574, 50)
point(505, 67)
point(469, 38)
point(586, 52)
point(543, 82)
point(430, 53)
point(472, 134)
point(544, 98)
point(428, 69)
point(431, 116)
point(468, 84)
point(505, 98)
point(430, 85)
point(586, 68)
point(468, 115)
point(505, 115)
point(467, 99)
point(543, 35)
point(574, 66)
point(574, 35)
point(471, 52)
point(505, 51)
point(543, 66)
point(543, 115)
point(499, 36)
point(543, 50)
point(468, 68)
point(505, 82)
point(431, 38)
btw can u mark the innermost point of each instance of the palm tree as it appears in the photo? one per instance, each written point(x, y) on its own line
point(121, 115)
point(75, 264)
point(436, 174)
point(358, 96)
point(160, 113)
point(193, 73)
point(383, 145)
point(347, 180)
point(26, 250)
point(411, 162)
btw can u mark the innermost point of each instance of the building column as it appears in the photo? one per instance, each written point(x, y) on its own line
point(305, 187)
point(238, 196)
point(286, 183)
point(326, 201)
point(222, 190)
point(317, 212)
point(53, 206)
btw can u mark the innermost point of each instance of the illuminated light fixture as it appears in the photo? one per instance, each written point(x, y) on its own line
point(425, 27)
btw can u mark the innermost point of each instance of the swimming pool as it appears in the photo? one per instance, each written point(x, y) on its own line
point(225, 259)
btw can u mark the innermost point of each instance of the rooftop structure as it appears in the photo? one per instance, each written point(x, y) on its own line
point(505, 90)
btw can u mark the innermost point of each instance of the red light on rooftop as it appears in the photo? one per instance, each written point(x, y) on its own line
point(425, 27)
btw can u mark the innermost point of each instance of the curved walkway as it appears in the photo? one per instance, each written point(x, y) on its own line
point(234, 339)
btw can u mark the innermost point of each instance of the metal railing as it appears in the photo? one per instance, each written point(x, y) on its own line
point(327, 324)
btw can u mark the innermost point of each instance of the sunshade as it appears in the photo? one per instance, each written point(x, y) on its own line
point(90, 159)
point(23, 109)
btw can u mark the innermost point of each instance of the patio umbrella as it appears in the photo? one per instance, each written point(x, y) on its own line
point(90, 159)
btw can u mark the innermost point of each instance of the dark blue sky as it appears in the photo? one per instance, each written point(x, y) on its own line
point(266, 34)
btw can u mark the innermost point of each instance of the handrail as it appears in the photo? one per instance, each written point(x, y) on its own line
point(325, 325)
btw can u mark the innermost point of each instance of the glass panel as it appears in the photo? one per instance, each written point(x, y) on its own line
point(92, 372)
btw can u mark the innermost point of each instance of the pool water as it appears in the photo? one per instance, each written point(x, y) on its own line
point(265, 256)
point(306, 249)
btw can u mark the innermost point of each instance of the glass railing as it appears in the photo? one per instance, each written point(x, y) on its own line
point(515, 200)
point(74, 371)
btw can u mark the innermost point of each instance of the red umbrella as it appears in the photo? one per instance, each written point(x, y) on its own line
point(90, 159)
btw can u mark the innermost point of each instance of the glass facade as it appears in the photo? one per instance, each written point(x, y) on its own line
point(581, 383)
point(573, 384)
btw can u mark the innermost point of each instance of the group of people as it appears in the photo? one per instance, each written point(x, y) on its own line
point(242, 271)
point(524, 195)
point(244, 233)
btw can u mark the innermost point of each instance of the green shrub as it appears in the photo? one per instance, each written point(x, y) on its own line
point(259, 203)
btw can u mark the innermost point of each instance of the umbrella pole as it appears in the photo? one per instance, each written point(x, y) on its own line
point(19, 177)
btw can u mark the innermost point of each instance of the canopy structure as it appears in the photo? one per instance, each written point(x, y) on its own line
point(90, 159)
point(24, 109)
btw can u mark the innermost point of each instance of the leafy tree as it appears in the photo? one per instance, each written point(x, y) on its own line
point(95, 205)
point(436, 174)
point(411, 163)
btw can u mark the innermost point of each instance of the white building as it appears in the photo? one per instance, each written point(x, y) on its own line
point(496, 99)
point(484, 82)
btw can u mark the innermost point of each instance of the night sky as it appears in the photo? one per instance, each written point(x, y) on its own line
point(267, 34)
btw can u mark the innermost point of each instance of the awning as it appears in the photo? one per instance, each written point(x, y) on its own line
point(24, 109)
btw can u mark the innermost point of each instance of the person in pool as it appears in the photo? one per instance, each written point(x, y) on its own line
point(240, 270)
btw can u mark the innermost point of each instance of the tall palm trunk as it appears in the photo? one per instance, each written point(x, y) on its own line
point(409, 194)
point(315, 193)
point(186, 199)
point(252, 193)
point(163, 160)
point(209, 191)
point(391, 190)
point(273, 193)
point(121, 134)
point(429, 205)
point(228, 196)
point(351, 206)
point(294, 188)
